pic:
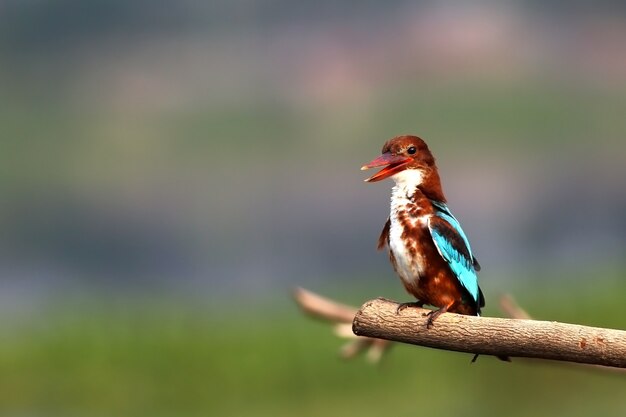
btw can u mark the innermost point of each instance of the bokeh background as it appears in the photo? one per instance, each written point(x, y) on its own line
point(171, 170)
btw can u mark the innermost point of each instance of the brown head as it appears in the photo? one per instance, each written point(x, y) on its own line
point(408, 161)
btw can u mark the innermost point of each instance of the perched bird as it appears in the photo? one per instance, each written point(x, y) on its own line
point(427, 247)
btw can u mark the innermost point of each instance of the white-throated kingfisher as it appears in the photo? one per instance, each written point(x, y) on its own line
point(427, 247)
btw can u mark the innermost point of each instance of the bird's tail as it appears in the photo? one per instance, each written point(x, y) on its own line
point(501, 357)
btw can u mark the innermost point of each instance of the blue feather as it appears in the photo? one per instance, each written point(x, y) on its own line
point(455, 251)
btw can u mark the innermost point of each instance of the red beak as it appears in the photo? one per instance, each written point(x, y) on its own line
point(392, 165)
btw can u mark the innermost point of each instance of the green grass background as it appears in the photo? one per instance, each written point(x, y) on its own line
point(264, 358)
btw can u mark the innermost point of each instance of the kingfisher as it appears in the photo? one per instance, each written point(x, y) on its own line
point(427, 246)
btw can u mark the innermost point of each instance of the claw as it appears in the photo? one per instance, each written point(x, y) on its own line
point(433, 315)
point(436, 313)
point(402, 306)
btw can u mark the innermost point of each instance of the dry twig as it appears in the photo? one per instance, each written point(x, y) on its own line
point(583, 346)
point(493, 336)
point(341, 316)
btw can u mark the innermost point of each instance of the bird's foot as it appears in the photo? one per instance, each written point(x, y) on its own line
point(432, 315)
point(402, 306)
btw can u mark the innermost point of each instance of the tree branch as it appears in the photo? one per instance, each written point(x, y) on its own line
point(493, 336)
point(323, 308)
point(341, 316)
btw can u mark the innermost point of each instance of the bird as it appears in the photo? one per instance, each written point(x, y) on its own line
point(427, 247)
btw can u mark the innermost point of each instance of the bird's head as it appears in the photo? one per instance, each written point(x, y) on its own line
point(405, 159)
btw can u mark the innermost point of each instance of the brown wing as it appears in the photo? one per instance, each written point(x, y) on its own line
point(383, 239)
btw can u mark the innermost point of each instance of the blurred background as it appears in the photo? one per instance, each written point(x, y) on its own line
point(170, 171)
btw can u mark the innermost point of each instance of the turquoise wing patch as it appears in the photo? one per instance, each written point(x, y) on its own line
point(453, 246)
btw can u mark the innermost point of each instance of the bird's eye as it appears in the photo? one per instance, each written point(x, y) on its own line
point(411, 150)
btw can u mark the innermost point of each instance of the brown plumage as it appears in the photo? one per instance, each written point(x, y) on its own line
point(437, 285)
point(414, 255)
point(427, 247)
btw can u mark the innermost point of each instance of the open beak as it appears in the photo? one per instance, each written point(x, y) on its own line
point(392, 165)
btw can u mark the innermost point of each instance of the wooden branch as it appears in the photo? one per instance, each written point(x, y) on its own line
point(493, 336)
point(322, 307)
point(341, 316)
point(514, 311)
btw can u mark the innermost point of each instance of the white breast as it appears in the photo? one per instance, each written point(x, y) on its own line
point(409, 267)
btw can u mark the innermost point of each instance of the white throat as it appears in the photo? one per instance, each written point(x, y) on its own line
point(408, 180)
